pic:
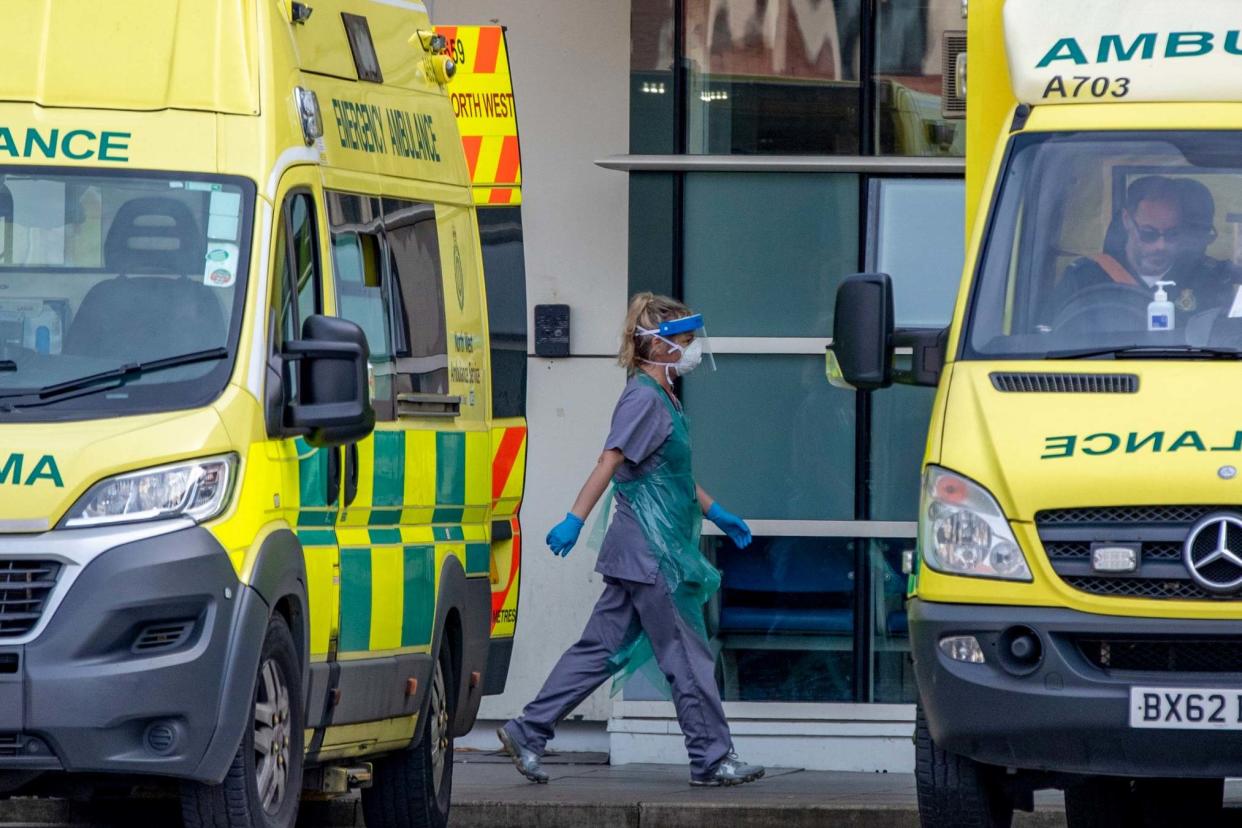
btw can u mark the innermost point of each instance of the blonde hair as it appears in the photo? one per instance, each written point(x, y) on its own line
point(647, 310)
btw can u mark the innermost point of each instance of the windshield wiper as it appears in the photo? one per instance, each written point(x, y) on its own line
point(110, 379)
point(1147, 352)
point(7, 365)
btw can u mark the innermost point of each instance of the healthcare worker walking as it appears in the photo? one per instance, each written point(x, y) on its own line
point(656, 578)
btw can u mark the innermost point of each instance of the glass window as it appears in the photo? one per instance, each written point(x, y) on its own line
point(784, 619)
point(1087, 225)
point(919, 238)
point(772, 76)
point(652, 104)
point(764, 253)
point(105, 269)
point(297, 282)
point(421, 345)
point(504, 270)
point(892, 670)
point(773, 440)
point(297, 278)
point(910, 70)
point(357, 258)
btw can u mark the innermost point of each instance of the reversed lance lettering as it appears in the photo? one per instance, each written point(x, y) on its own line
point(1231, 43)
point(1133, 443)
point(1058, 447)
point(1113, 43)
point(1237, 443)
point(1188, 439)
point(1066, 48)
point(1113, 441)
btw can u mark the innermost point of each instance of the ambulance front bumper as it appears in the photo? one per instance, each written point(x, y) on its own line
point(1067, 712)
point(129, 667)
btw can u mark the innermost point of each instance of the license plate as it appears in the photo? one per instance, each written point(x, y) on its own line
point(1186, 708)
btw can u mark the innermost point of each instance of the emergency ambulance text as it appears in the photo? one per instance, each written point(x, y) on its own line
point(370, 128)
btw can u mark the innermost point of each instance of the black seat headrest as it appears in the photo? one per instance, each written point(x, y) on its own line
point(145, 318)
point(155, 235)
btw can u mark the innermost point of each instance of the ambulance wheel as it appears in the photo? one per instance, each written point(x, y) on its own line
point(954, 791)
point(413, 788)
point(264, 784)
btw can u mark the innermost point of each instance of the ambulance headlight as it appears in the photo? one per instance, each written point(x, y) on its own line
point(199, 490)
point(962, 530)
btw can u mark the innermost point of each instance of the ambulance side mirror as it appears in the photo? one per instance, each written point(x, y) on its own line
point(862, 332)
point(335, 399)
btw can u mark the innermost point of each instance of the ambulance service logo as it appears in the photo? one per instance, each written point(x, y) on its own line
point(459, 274)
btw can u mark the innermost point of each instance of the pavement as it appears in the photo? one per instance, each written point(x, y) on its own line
point(586, 792)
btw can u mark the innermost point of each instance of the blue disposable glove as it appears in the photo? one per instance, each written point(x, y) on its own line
point(565, 534)
point(731, 525)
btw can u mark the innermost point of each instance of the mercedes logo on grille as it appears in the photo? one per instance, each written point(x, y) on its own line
point(1213, 553)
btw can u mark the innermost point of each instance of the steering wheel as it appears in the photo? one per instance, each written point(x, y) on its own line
point(1107, 307)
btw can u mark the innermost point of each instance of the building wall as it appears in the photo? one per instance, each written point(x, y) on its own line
point(570, 62)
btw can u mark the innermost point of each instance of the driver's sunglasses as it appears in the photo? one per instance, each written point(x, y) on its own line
point(1150, 235)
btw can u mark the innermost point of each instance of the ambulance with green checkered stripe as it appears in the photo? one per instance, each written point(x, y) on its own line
point(262, 426)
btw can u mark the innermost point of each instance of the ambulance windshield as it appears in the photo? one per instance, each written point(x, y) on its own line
point(1124, 245)
point(119, 293)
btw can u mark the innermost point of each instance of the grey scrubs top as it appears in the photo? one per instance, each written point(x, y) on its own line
point(641, 423)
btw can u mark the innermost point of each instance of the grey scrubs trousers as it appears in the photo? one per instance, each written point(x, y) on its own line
point(681, 653)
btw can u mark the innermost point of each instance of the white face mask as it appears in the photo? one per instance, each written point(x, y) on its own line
point(691, 355)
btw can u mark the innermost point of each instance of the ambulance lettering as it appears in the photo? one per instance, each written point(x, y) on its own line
point(1136, 442)
point(1114, 48)
point(44, 469)
point(374, 129)
point(71, 144)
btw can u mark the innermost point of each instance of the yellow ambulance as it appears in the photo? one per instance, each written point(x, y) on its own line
point(1076, 597)
point(259, 469)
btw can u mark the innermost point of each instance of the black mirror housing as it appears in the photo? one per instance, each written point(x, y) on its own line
point(862, 331)
point(332, 363)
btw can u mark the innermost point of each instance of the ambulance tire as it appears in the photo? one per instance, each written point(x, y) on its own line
point(414, 788)
point(237, 801)
point(954, 791)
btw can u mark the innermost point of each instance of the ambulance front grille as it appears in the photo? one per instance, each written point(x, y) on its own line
point(1158, 532)
point(1163, 589)
point(24, 589)
point(1164, 655)
point(1043, 382)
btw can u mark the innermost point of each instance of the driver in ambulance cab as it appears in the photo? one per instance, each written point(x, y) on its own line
point(1162, 233)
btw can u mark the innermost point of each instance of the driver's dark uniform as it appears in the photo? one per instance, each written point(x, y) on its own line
point(1200, 285)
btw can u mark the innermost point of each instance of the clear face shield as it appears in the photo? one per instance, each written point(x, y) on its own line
point(690, 354)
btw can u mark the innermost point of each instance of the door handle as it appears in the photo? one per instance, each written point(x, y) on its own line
point(351, 474)
point(334, 475)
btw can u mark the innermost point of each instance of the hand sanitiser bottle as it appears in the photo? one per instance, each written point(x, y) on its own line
point(1160, 310)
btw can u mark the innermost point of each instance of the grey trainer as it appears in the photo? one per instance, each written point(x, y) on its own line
point(730, 771)
point(524, 759)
